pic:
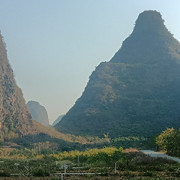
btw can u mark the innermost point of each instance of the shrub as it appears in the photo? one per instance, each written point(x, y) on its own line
point(40, 173)
point(147, 173)
point(4, 174)
point(128, 174)
point(104, 171)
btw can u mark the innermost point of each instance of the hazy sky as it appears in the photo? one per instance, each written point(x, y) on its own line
point(54, 45)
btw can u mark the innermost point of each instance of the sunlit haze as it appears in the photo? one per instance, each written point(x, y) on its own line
point(55, 45)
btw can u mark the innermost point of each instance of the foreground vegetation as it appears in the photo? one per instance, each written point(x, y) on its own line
point(43, 160)
point(129, 164)
point(169, 141)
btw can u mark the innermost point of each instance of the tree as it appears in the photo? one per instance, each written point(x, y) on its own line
point(173, 145)
point(162, 139)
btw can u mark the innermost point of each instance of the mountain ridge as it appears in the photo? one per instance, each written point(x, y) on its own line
point(145, 38)
point(136, 93)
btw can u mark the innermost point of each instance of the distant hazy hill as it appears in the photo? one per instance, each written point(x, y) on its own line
point(38, 112)
point(58, 120)
point(136, 93)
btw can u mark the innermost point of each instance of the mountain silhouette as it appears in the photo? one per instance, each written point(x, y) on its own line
point(136, 93)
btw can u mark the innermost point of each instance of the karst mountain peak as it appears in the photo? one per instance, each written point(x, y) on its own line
point(149, 22)
point(136, 93)
point(150, 42)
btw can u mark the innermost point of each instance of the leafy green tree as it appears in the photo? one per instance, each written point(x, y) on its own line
point(172, 144)
point(117, 155)
point(162, 139)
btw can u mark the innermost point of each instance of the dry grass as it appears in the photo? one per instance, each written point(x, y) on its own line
point(131, 150)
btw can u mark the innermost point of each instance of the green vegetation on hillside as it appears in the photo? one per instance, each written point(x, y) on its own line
point(137, 93)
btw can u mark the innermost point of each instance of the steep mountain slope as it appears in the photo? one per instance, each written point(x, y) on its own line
point(38, 112)
point(137, 93)
point(15, 120)
point(16, 123)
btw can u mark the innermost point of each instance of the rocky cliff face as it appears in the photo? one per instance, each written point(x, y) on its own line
point(136, 93)
point(15, 119)
point(38, 112)
point(16, 123)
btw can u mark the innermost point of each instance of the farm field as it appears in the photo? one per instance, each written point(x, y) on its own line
point(105, 163)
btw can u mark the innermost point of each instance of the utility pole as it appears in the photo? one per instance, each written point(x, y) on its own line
point(61, 176)
point(65, 168)
point(78, 160)
point(115, 166)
